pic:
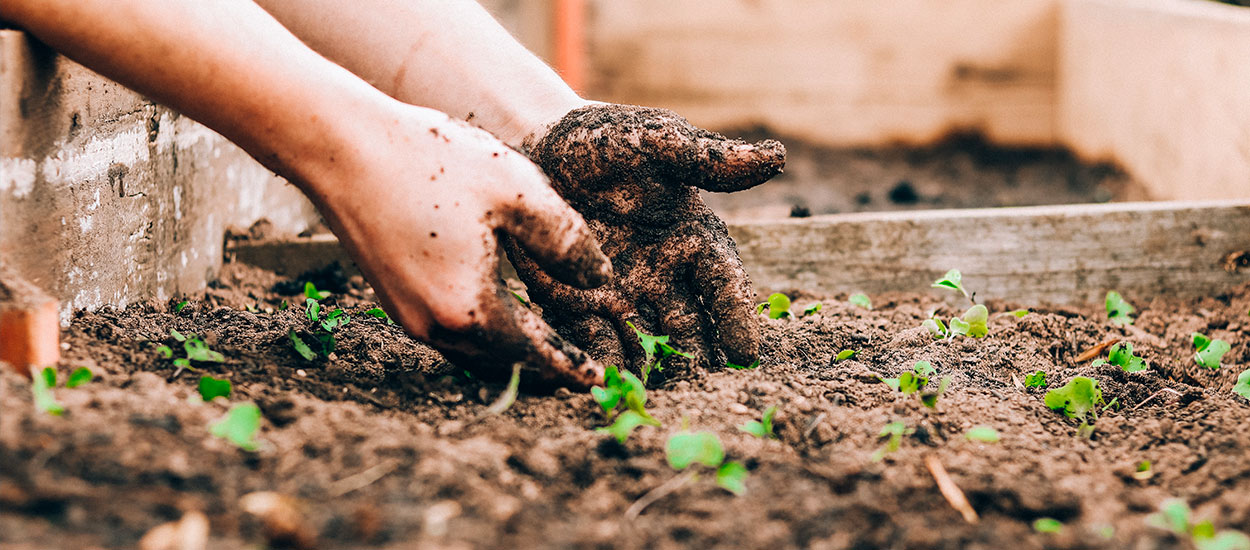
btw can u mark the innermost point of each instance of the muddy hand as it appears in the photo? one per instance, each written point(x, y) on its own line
point(634, 174)
point(421, 205)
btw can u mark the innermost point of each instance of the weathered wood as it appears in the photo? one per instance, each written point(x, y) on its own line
point(1056, 254)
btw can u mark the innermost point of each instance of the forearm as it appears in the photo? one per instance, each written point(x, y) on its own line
point(450, 55)
point(225, 63)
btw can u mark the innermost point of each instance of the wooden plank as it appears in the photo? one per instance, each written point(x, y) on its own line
point(1161, 88)
point(1057, 254)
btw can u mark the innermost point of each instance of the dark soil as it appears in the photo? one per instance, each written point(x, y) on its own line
point(385, 445)
point(961, 171)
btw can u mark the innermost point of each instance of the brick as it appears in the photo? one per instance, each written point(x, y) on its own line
point(30, 328)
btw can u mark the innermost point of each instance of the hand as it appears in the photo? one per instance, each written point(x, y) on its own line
point(632, 172)
point(419, 202)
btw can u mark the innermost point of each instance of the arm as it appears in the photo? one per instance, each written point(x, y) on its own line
point(417, 199)
point(450, 55)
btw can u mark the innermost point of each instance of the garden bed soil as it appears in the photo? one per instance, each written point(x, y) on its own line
point(959, 171)
point(387, 446)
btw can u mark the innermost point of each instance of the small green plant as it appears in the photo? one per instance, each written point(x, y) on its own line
point(510, 392)
point(778, 306)
point(520, 298)
point(1035, 380)
point(844, 355)
point(1242, 387)
point(736, 366)
point(657, 350)
point(1174, 515)
point(311, 292)
point(41, 389)
point(686, 448)
point(1079, 399)
point(762, 428)
point(929, 397)
point(622, 388)
point(1121, 355)
point(1143, 471)
point(1119, 311)
point(239, 426)
point(983, 433)
point(78, 377)
point(325, 324)
point(973, 324)
point(380, 314)
point(953, 280)
point(212, 388)
point(182, 304)
point(936, 327)
point(1020, 313)
point(812, 309)
point(1209, 352)
point(1047, 525)
point(860, 299)
point(895, 431)
point(194, 348)
point(912, 381)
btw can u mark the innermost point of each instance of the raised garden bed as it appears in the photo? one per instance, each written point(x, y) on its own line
point(383, 446)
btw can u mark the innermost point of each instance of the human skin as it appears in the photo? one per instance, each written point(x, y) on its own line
point(633, 176)
point(418, 199)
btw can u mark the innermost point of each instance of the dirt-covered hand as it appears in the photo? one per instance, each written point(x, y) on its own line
point(420, 203)
point(634, 173)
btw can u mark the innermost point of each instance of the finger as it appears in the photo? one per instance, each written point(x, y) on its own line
point(685, 328)
point(709, 160)
point(556, 237)
point(729, 300)
point(508, 334)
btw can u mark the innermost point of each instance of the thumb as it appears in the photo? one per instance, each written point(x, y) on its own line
point(705, 159)
point(556, 236)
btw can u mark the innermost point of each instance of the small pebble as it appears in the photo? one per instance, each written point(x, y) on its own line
point(301, 373)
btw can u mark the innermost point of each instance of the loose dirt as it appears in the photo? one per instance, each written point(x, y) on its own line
point(385, 445)
point(960, 171)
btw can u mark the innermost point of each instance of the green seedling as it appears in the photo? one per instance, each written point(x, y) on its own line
point(936, 327)
point(930, 398)
point(41, 389)
point(1035, 380)
point(984, 434)
point(1242, 387)
point(251, 308)
point(736, 366)
point(1119, 311)
point(1174, 515)
point(520, 298)
point(762, 428)
point(380, 314)
point(860, 299)
point(953, 280)
point(1020, 313)
point(1209, 352)
point(1121, 355)
point(778, 306)
point(623, 388)
point(1079, 399)
point(182, 304)
point(844, 355)
point(194, 348)
point(1143, 471)
point(239, 426)
point(974, 322)
point(895, 432)
point(311, 292)
point(80, 376)
point(812, 309)
point(657, 350)
point(1047, 525)
point(212, 388)
point(685, 448)
point(325, 324)
point(508, 397)
point(912, 381)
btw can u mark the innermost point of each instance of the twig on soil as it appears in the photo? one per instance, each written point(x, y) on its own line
point(362, 479)
point(947, 486)
point(665, 489)
point(1156, 394)
point(1097, 350)
point(811, 426)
